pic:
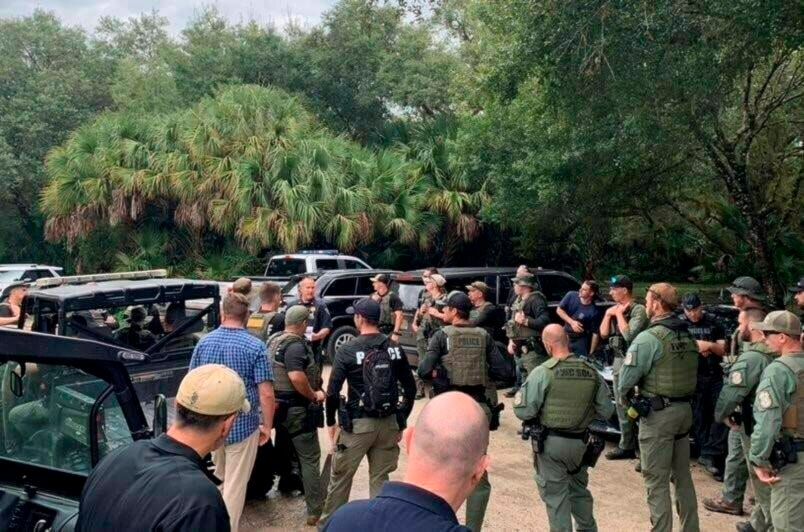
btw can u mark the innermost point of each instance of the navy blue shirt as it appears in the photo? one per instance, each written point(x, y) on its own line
point(590, 315)
point(398, 507)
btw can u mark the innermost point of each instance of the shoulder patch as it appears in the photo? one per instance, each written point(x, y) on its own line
point(736, 378)
point(630, 358)
point(518, 398)
point(765, 400)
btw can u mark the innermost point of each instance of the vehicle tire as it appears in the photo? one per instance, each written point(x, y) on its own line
point(339, 336)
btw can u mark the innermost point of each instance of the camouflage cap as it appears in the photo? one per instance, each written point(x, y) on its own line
point(747, 286)
point(480, 286)
point(296, 314)
point(213, 390)
point(779, 321)
point(525, 280)
point(383, 278)
point(666, 293)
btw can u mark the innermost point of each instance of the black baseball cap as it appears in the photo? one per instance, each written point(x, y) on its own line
point(621, 281)
point(459, 301)
point(382, 278)
point(799, 286)
point(366, 307)
point(691, 300)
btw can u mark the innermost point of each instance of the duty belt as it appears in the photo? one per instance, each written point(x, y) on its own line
point(567, 434)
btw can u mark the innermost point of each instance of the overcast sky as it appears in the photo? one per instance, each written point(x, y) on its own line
point(87, 12)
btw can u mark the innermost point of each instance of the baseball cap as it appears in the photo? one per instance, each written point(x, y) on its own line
point(480, 286)
point(526, 280)
point(780, 321)
point(459, 301)
point(381, 278)
point(798, 287)
point(691, 300)
point(438, 279)
point(666, 292)
point(213, 390)
point(296, 314)
point(137, 315)
point(368, 308)
point(242, 286)
point(747, 286)
point(621, 281)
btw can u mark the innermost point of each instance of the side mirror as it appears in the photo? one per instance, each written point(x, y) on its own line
point(160, 415)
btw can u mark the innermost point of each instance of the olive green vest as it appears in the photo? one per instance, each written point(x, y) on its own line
point(512, 328)
point(793, 417)
point(258, 323)
point(570, 400)
point(466, 361)
point(429, 323)
point(617, 342)
point(277, 344)
point(675, 374)
point(386, 315)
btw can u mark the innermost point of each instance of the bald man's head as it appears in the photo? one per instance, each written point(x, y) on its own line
point(555, 334)
point(451, 435)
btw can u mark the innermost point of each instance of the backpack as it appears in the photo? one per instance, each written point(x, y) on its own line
point(380, 391)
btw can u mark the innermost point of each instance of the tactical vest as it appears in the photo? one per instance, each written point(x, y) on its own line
point(675, 374)
point(512, 328)
point(258, 323)
point(277, 344)
point(793, 417)
point(570, 400)
point(465, 360)
point(429, 323)
point(386, 314)
point(617, 342)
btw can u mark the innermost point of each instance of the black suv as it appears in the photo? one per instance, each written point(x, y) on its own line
point(81, 404)
point(339, 289)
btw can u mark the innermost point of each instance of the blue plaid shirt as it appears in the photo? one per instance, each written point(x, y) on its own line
point(245, 354)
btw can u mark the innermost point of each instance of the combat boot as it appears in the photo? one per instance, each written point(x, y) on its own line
point(719, 505)
point(619, 453)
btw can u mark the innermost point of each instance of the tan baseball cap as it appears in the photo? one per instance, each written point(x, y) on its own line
point(437, 279)
point(780, 321)
point(479, 286)
point(666, 292)
point(213, 390)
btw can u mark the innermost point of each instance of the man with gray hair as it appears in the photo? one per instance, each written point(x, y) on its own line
point(446, 460)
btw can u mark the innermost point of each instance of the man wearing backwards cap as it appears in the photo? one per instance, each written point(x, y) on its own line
point(164, 484)
point(663, 362)
point(779, 421)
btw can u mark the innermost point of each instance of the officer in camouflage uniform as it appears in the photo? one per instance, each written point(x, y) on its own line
point(524, 330)
point(779, 422)
point(390, 307)
point(296, 378)
point(746, 293)
point(737, 395)
point(564, 395)
point(620, 325)
point(458, 359)
point(267, 319)
point(663, 362)
point(425, 322)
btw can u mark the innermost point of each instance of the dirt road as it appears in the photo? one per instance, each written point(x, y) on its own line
point(515, 505)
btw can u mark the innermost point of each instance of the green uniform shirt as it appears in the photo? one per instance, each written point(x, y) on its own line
point(530, 398)
point(636, 324)
point(775, 394)
point(743, 378)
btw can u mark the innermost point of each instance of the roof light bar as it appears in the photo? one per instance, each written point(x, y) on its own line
point(51, 282)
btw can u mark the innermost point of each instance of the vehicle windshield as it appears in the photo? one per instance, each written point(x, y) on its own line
point(408, 293)
point(46, 416)
point(8, 276)
point(284, 267)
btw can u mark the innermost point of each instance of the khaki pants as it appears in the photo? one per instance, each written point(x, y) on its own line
point(233, 465)
point(375, 438)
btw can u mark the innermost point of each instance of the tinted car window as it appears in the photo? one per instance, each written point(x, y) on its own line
point(285, 267)
point(364, 286)
point(555, 287)
point(350, 264)
point(326, 264)
point(31, 275)
point(43, 274)
point(341, 287)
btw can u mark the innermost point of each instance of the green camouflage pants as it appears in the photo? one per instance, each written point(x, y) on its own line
point(665, 457)
point(787, 498)
point(760, 515)
point(478, 500)
point(375, 438)
point(735, 475)
point(565, 495)
point(308, 449)
point(627, 425)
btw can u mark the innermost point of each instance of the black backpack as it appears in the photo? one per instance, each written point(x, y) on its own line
point(380, 391)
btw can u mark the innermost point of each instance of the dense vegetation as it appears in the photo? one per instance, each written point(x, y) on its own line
point(660, 138)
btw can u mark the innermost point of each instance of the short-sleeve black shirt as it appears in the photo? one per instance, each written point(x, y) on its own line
point(707, 328)
point(157, 484)
point(320, 317)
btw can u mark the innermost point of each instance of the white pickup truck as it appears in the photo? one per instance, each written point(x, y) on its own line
point(281, 268)
point(13, 273)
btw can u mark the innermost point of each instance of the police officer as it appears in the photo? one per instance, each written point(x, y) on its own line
point(267, 319)
point(708, 433)
point(367, 429)
point(563, 396)
point(736, 404)
point(777, 443)
point(428, 318)
point(484, 313)
point(621, 324)
point(390, 306)
point(459, 359)
point(319, 324)
point(296, 377)
point(663, 362)
point(746, 293)
point(528, 317)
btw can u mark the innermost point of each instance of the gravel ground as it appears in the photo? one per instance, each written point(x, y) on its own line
point(515, 504)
